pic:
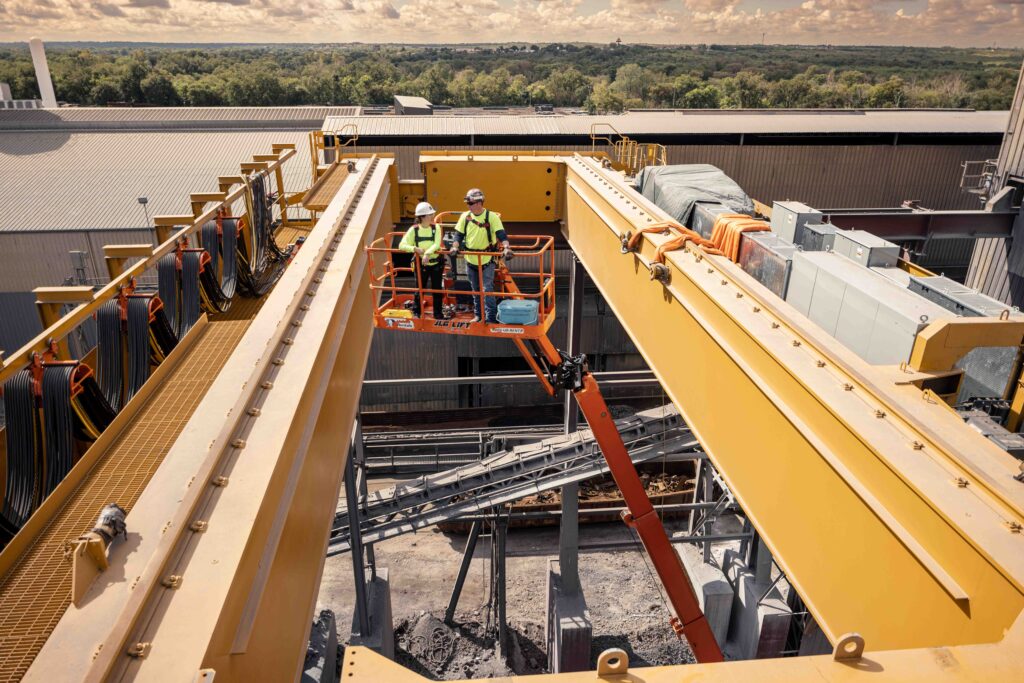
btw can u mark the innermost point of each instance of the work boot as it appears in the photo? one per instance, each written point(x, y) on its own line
point(475, 319)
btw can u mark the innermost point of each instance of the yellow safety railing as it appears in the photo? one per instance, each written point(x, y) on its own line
point(324, 141)
point(627, 153)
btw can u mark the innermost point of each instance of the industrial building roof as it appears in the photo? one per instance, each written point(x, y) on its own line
point(122, 118)
point(65, 181)
point(514, 121)
point(686, 122)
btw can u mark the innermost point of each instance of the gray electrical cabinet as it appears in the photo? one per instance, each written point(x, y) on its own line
point(818, 237)
point(789, 219)
point(866, 249)
point(704, 216)
point(868, 313)
point(768, 258)
point(956, 297)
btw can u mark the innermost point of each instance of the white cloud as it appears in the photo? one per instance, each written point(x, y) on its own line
point(938, 22)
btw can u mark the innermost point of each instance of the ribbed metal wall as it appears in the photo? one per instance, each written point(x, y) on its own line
point(994, 262)
point(1011, 153)
point(19, 320)
point(38, 259)
point(819, 175)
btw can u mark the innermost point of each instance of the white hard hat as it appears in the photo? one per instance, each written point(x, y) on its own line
point(424, 209)
point(474, 195)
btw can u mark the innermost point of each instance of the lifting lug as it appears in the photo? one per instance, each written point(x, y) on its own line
point(624, 240)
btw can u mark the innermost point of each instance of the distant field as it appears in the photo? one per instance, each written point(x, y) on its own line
point(599, 78)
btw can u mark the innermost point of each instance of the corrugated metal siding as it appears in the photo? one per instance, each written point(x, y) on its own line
point(990, 265)
point(33, 260)
point(19, 320)
point(1011, 154)
point(988, 270)
point(823, 176)
point(843, 176)
point(93, 180)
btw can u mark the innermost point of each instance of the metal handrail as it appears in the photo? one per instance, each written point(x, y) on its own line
point(383, 278)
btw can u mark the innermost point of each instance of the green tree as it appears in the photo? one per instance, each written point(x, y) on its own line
point(632, 81)
point(890, 93)
point(433, 83)
point(745, 90)
point(604, 99)
point(105, 91)
point(463, 88)
point(567, 87)
point(133, 71)
point(705, 97)
point(158, 89)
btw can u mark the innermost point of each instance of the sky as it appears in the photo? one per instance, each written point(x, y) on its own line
point(961, 23)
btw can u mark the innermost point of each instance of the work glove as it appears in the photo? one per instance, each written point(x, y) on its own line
point(418, 251)
point(507, 252)
point(454, 251)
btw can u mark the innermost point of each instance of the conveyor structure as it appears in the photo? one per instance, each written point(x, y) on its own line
point(899, 525)
point(509, 476)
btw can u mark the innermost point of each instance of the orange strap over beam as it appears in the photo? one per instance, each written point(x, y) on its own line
point(727, 231)
point(683, 235)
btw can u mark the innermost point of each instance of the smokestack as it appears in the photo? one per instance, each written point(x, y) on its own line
point(46, 94)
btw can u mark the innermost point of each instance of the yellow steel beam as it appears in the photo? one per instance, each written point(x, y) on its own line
point(890, 516)
point(228, 540)
point(521, 187)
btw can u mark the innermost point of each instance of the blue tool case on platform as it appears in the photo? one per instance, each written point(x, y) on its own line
point(514, 312)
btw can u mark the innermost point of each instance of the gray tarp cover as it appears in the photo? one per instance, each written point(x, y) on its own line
point(676, 188)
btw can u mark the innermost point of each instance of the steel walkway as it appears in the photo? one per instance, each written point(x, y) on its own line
point(509, 476)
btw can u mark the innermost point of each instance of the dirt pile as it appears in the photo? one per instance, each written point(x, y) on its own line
point(430, 647)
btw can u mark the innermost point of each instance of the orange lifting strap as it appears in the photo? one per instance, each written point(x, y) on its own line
point(727, 230)
point(683, 235)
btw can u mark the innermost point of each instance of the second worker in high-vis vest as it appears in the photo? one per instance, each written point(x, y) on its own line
point(480, 229)
point(423, 239)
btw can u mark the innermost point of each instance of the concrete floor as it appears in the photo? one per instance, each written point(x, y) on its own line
point(620, 587)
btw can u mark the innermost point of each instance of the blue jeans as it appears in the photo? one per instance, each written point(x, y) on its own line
point(473, 272)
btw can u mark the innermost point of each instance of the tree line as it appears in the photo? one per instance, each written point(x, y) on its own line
point(598, 78)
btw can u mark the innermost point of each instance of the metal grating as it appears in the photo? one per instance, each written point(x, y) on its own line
point(323, 191)
point(36, 592)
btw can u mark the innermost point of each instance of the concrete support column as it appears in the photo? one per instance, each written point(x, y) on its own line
point(569, 628)
point(568, 548)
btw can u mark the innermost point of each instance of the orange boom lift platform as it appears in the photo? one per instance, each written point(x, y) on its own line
point(395, 287)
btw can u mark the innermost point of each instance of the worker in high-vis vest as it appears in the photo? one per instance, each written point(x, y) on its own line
point(423, 240)
point(480, 229)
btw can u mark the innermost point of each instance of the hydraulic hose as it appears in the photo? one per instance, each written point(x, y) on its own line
point(24, 440)
point(189, 312)
point(138, 344)
point(110, 353)
point(58, 425)
point(168, 288)
point(259, 270)
point(218, 291)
